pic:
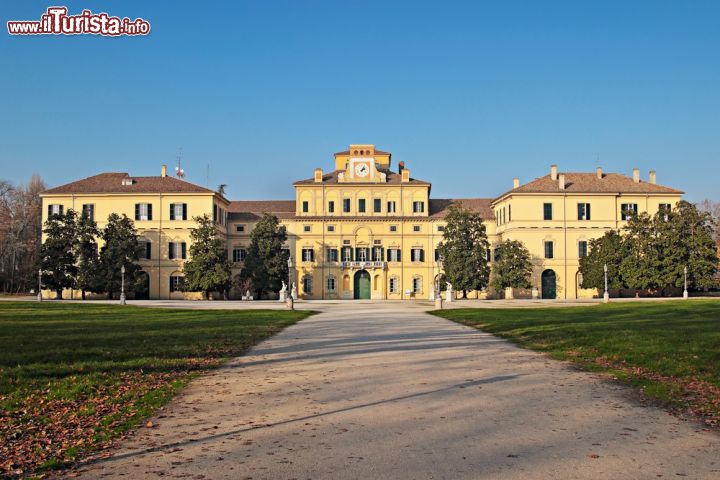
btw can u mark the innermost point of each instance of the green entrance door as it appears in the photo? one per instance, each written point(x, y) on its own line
point(549, 287)
point(362, 285)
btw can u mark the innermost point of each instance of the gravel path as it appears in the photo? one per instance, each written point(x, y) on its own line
point(389, 392)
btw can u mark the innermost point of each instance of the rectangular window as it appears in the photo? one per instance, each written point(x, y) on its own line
point(394, 255)
point(306, 228)
point(391, 207)
point(332, 255)
point(418, 207)
point(628, 210)
point(393, 228)
point(549, 253)
point(331, 284)
point(417, 255)
point(509, 213)
point(143, 211)
point(582, 249)
point(583, 211)
point(346, 254)
point(416, 228)
point(144, 249)
point(346, 205)
point(547, 211)
point(417, 285)
point(377, 205)
point(308, 255)
point(438, 257)
point(305, 207)
point(378, 254)
point(664, 209)
point(362, 254)
point(394, 285)
point(239, 254)
point(331, 228)
point(441, 228)
point(88, 211)
point(178, 211)
point(239, 228)
point(331, 207)
point(176, 283)
point(177, 251)
point(215, 213)
point(307, 284)
point(361, 205)
point(55, 209)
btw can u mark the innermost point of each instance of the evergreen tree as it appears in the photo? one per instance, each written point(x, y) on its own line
point(86, 252)
point(513, 267)
point(120, 249)
point(642, 266)
point(464, 249)
point(208, 269)
point(266, 263)
point(607, 250)
point(686, 240)
point(57, 254)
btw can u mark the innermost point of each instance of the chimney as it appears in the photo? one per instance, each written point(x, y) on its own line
point(598, 170)
point(636, 175)
point(163, 171)
point(318, 175)
point(561, 182)
point(653, 177)
point(401, 166)
point(404, 175)
point(553, 172)
point(516, 182)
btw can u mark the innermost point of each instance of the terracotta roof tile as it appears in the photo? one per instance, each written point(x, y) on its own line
point(250, 210)
point(111, 182)
point(590, 183)
point(393, 178)
point(440, 207)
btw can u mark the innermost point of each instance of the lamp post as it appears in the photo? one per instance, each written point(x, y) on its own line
point(290, 300)
point(685, 292)
point(122, 285)
point(606, 295)
point(39, 285)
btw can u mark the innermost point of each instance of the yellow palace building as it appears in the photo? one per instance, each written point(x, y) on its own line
point(364, 230)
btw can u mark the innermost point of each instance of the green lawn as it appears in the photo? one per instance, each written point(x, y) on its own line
point(669, 349)
point(75, 376)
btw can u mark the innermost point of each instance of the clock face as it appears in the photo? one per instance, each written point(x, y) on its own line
point(362, 170)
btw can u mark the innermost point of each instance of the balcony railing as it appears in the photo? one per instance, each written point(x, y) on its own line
point(361, 265)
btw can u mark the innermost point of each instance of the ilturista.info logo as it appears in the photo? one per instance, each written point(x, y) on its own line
point(56, 21)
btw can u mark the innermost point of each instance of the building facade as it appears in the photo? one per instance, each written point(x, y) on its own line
point(367, 231)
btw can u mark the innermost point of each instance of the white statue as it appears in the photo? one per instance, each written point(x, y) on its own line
point(293, 292)
point(282, 295)
point(449, 296)
point(284, 288)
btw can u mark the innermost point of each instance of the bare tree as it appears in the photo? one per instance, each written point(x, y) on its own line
point(713, 208)
point(20, 233)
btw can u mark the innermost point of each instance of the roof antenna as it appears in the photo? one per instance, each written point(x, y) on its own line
point(597, 160)
point(178, 167)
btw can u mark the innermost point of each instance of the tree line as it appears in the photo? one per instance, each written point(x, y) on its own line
point(650, 253)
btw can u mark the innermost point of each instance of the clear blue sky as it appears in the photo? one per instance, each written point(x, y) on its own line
point(468, 94)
